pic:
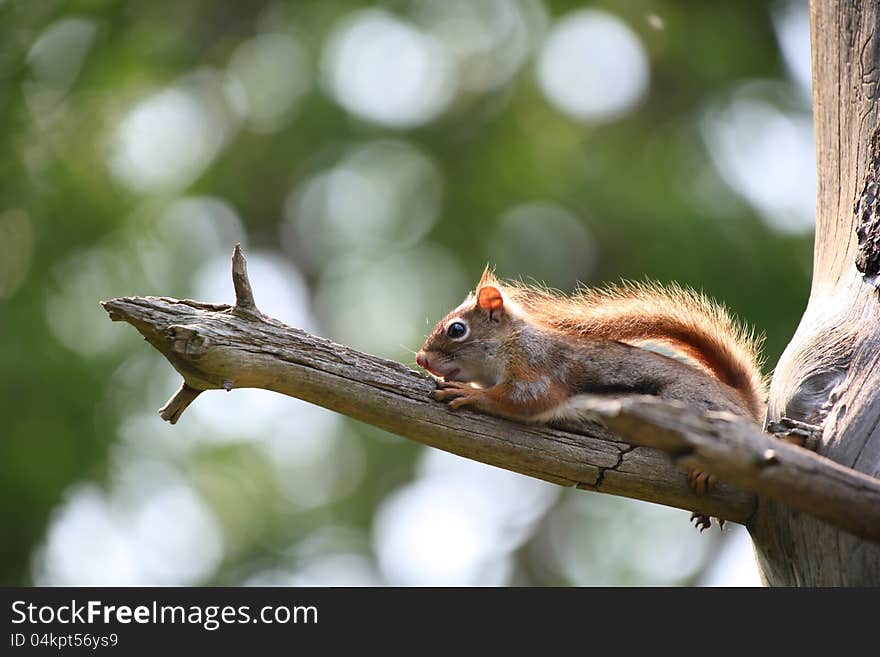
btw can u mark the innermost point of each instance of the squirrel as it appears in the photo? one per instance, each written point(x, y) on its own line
point(530, 354)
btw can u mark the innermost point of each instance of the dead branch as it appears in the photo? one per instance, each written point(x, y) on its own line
point(216, 346)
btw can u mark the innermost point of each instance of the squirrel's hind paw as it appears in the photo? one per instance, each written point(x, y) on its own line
point(701, 482)
point(704, 522)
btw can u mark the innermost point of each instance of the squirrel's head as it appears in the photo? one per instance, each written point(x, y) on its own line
point(466, 344)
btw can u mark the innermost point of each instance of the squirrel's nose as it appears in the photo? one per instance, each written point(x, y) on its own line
point(422, 360)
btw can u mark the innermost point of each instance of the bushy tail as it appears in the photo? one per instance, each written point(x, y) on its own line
point(680, 318)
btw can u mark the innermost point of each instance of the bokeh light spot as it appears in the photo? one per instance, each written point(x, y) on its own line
point(58, 54)
point(545, 240)
point(163, 536)
point(490, 40)
point(386, 70)
point(381, 305)
point(735, 563)
point(765, 154)
point(166, 141)
point(585, 557)
point(381, 195)
point(593, 67)
point(791, 22)
point(200, 228)
point(79, 282)
point(271, 72)
point(458, 523)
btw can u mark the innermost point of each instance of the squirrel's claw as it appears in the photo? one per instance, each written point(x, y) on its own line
point(701, 521)
point(704, 522)
point(456, 393)
point(447, 390)
point(702, 483)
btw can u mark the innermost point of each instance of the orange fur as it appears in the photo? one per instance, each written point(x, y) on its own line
point(500, 399)
point(635, 313)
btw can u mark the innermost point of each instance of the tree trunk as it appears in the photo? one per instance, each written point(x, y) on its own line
point(830, 372)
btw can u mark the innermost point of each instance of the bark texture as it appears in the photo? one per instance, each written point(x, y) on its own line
point(227, 347)
point(217, 347)
point(830, 372)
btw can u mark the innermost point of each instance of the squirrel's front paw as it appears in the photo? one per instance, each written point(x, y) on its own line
point(458, 394)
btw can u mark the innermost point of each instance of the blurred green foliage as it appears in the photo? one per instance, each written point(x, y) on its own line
point(643, 187)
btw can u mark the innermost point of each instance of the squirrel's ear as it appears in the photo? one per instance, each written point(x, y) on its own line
point(487, 278)
point(489, 299)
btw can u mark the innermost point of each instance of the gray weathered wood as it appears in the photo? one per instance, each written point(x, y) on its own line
point(741, 454)
point(830, 372)
point(214, 347)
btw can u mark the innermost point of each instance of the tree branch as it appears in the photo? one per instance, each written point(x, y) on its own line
point(216, 346)
point(175, 406)
point(742, 455)
point(244, 294)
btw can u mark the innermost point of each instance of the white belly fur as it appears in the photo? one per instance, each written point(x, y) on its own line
point(577, 407)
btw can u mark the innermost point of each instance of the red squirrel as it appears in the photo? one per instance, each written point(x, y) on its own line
point(533, 355)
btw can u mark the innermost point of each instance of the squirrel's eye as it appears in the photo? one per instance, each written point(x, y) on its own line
point(456, 330)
